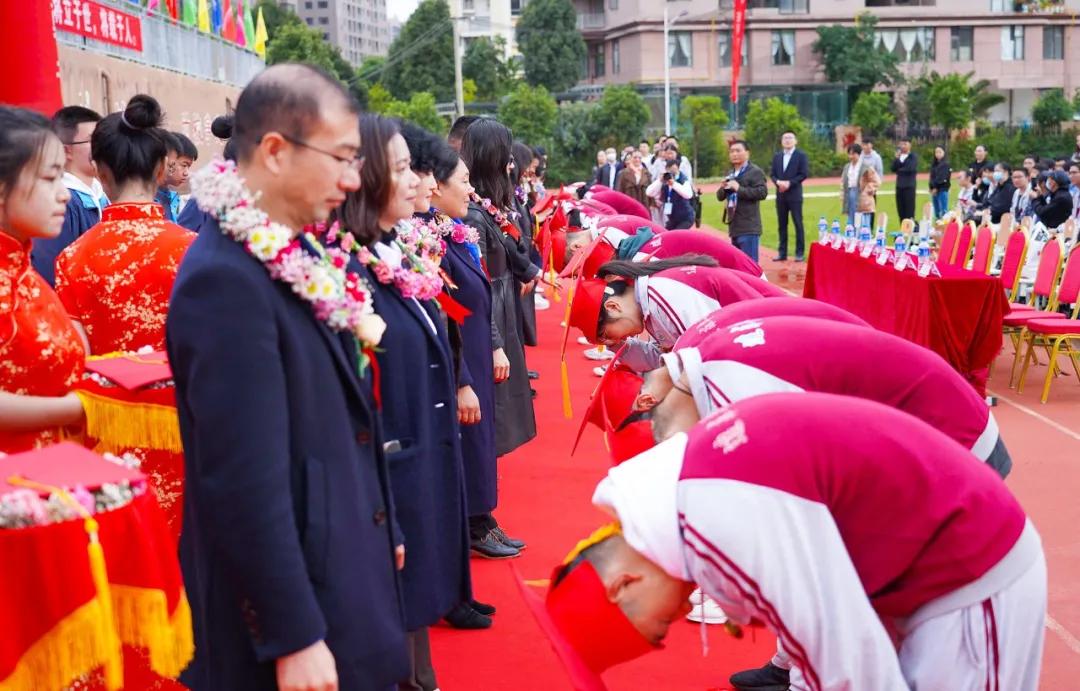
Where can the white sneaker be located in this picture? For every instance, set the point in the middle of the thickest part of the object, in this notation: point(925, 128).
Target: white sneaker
point(707, 610)
point(697, 597)
point(541, 302)
point(599, 354)
point(581, 339)
point(599, 371)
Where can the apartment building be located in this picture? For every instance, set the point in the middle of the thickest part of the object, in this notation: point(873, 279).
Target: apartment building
point(358, 27)
point(1020, 53)
point(491, 18)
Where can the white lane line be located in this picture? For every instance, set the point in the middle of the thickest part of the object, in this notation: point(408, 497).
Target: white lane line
point(1038, 416)
point(1071, 641)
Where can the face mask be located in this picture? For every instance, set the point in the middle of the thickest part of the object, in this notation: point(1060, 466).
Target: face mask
point(998, 176)
point(611, 158)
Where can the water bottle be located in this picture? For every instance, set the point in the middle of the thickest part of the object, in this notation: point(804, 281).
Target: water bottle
point(822, 231)
point(924, 251)
point(879, 241)
point(864, 232)
point(849, 238)
point(834, 234)
point(900, 245)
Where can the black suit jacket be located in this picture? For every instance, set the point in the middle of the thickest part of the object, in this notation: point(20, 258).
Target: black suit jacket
point(906, 171)
point(604, 177)
point(798, 169)
point(287, 535)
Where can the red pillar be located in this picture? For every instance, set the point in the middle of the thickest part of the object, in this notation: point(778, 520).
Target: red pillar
point(28, 54)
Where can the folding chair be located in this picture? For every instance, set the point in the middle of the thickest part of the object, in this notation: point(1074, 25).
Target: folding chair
point(1015, 255)
point(985, 239)
point(1045, 281)
point(963, 245)
point(948, 243)
point(1056, 333)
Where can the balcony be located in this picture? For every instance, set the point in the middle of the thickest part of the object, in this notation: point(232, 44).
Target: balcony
point(175, 47)
point(591, 21)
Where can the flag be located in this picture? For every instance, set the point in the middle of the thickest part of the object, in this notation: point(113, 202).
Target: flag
point(204, 16)
point(215, 17)
point(188, 12)
point(241, 34)
point(173, 6)
point(738, 28)
point(31, 69)
point(249, 26)
point(228, 22)
point(260, 35)
point(151, 5)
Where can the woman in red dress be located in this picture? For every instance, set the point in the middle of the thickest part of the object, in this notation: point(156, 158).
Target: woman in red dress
point(41, 353)
point(115, 280)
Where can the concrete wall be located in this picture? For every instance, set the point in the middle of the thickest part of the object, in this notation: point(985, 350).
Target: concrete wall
point(105, 83)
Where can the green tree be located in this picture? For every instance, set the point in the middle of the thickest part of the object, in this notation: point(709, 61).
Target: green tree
point(485, 63)
point(767, 120)
point(849, 55)
point(918, 96)
point(873, 112)
point(530, 113)
point(420, 109)
point(950, 102)
point(380, 100)
point(620, 116)
point(1051, 109)
point(551, 47)
point(574, 143)
point(704, 118)
point(296, 42)
point(1076, 101)
point(421, 58)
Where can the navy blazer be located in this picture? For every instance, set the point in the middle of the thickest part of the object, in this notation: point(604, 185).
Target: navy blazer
point(79, 217)
point(798, 169)
point(193, 218)
point(603, 174)
point(286, 534)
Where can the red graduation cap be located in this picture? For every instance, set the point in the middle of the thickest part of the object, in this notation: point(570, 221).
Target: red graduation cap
point(616, 382)
point(64, 465)
point(600, 254)
point(549, 199)
point(131, 370)
point(629, 441)
point(585, 307)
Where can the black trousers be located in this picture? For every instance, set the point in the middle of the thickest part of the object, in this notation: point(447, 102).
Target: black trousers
point(905, 203)
point(785, 204)
point(422, 674)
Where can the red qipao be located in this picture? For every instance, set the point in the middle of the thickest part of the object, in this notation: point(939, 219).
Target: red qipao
point(41, 354)
point(116, 279)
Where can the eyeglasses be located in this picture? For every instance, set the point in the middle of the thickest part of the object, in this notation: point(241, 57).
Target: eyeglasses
point(81, 141)
point(355, 162)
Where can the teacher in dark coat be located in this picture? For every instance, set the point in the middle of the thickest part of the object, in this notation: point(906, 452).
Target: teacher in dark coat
point(288, 547)
point(906, 167)
point(523, 219)
point(486, 152)
point(418, 396)
point(790, 166)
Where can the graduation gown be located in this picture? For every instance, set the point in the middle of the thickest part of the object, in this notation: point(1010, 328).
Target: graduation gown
point(418, 395)
point(515, 421)
point(528, 301)
point(475, 369)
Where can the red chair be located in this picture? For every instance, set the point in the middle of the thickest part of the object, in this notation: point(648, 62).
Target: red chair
point(948, 243)
point(963, 245)
point(984, 250)
point(1016, 248)
point(1045, 281)
point(1056, 333)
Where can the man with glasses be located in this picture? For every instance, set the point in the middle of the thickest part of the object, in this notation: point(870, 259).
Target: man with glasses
point(289, 548)
point(73, 125)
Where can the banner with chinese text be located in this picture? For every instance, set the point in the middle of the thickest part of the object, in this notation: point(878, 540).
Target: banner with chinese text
point(97, 21)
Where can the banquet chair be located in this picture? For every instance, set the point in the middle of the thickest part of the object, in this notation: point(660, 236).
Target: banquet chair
point(985, 240)
point(1045, 282)
point(963, 244)
point(1015, 255)
point(948, 243)
point(1055, 333)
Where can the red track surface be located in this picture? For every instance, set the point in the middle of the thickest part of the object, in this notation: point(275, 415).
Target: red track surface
point(545, 499)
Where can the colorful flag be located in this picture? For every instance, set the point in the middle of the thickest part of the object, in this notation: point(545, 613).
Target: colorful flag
point(151, 5)
point(738, 28)
point(241, 36)
point(204, 16)
point(173, 7)
point(215, 17)
point(260, 36)
point(228, 22)
point(189, 12)
point(249, 26)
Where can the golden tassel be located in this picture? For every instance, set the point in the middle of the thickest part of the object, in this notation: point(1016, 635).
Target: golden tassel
point(119, 424)
point(114, 667)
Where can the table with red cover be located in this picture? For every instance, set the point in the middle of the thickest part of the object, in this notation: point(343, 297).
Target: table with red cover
point(957, 315)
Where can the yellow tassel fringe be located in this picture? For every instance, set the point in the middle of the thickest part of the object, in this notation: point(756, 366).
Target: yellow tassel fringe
point(142, 618)
point(118, 424)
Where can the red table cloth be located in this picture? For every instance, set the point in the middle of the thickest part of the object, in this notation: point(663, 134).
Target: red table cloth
point(957, 315)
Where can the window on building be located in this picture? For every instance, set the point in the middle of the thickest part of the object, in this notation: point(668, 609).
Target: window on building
point(468, 6)
point(324, 20)
point(307, 5)
point(785, 6)
point(1053, 43)
point(783, 47)
point(724, 48)
point(322, 4)
point(1012, 43)
point(962, 44)
point(616, 65)
point(516, 6)
point(613, 4)
point(598, 60)
point(680, 49)
point(908, 45)
point(309, 20)
point(325, 36)
point(1002, 5)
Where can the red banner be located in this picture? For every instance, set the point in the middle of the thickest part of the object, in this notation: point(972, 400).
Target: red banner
point(738, 28)
point(99, 22)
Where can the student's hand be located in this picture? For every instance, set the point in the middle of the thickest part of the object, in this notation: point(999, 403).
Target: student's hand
point(732, 186)
point(399, 557)
point(502, 365)
point(310, 669)
point(468, 409)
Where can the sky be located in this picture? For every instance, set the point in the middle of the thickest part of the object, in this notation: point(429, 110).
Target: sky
point(401, 9)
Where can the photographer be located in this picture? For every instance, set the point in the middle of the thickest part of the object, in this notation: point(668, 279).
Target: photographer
point(673, 192)
point(742, 191)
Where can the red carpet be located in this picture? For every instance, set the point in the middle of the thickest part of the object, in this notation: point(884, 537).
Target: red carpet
point(544, 498)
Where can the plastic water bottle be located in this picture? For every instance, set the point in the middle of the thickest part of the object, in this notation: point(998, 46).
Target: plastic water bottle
point(864, 232)
point(822, 231)
point(834, 234)
point(849, 238)
point(879, 241)
point(900, 245)
point(924, 251)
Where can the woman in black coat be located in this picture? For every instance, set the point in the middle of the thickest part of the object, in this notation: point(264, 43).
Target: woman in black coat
point(1056, 210)
point(486, 152)
point(523, 158)
point(940, 182)
point(417, 393)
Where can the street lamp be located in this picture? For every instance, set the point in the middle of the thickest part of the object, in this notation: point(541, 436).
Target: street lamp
point(667, 66)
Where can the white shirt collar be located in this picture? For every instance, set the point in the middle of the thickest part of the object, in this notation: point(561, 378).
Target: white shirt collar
point(95, 190)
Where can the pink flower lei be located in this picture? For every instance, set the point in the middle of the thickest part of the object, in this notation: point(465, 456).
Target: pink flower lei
point(340, 298)
point(421, 278)
point(504, 223)
point(460, 233)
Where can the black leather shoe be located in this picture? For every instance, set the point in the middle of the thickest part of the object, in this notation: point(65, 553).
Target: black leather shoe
point(799, 258)
point(767, 678)
point(482, 608)
point(533, 374)
point(506, 539)
point(490, 547)
point(465, 617)
point(533, 391)
point(780, 258)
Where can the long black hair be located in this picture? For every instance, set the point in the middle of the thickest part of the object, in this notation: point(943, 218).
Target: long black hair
point(132, 144)
point(631, 270)
point(420, 143)
point(444, 161)
point(222, 128)
point(523, 158)
point(360, 211)
point(23, 134)
point(486, 150)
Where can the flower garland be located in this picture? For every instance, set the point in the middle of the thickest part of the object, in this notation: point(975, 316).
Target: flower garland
point(339, 297)
point(504, 223)
point(421, 279)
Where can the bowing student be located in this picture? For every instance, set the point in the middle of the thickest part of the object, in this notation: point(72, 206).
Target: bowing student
point(644, 245)
point(417, 388)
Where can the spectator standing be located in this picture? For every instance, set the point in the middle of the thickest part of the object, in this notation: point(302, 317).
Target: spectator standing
point(644, 149)
point(607, 173)
point(674, 193)
point(73, 125)
point(849, 181)
point(940, 182)
point(905, 165)
point(742, 192)
point(1021, 198)
point(790, 167)
point(672, 148)
point(634, 180)
point(1056, 210)
point(869, 183)
point(871, 157)
point(980, 162)
point(601, 161)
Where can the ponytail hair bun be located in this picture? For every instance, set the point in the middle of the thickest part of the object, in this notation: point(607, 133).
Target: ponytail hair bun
point(222, 127)
point(143, 112)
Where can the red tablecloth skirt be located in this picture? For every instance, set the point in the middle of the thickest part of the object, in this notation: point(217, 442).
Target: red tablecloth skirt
point(957, 315)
